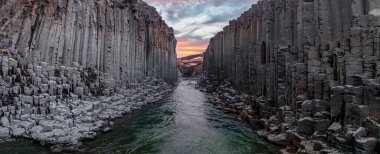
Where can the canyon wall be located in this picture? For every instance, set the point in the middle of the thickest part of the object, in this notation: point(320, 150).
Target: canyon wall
point(126, 39)
point(69, 67)
point(317, 57)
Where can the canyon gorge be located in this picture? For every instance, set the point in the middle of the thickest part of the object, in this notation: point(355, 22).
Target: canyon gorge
point(102, 76)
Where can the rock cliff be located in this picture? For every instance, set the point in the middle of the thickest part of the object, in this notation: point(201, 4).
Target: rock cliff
point(312, 65)
point(124, 38)
point(69, 67)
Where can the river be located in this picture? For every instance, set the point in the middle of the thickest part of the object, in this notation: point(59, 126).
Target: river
point(182, 123)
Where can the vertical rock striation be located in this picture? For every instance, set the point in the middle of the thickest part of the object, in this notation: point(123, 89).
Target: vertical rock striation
point(318, 58)
point(69, 67)
point(124, 38)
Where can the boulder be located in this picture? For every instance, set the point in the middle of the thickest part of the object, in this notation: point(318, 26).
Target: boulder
point(262, 133)
point(26, 99)
point(5, 122)
point(367, 144)
point(279, 139)
point(273, 128)
point(79, 91)
point(305, 125)
point(58, 132)
point(297, 139)
point(321, 124)
point(360, 133)
point(4, 132)
point(106, 130)
point(36, 129)
point(17, 131)
point(307, 106)
point(318, 146)
point(44, 136)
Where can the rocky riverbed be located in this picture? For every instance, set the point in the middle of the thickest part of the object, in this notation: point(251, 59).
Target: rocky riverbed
point(182, 122)
point(300, 134)
point(60, 106)
point(69, 122)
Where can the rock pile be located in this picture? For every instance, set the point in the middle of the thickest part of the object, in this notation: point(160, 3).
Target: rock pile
point(312, 66)
point(60, 106)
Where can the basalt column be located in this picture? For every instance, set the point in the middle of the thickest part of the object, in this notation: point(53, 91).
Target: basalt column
point(318, 57)
point(125, 38)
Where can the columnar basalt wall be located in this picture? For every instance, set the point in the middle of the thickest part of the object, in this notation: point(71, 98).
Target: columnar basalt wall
point(321, 54)
point(125, 38)
point(69, 67)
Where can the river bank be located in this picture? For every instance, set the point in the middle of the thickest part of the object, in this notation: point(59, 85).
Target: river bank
point(69, 122)
point(59, 106)
point(279, 126)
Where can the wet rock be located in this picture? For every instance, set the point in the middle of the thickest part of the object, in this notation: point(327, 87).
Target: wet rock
point(262, 133)
point(106, 130)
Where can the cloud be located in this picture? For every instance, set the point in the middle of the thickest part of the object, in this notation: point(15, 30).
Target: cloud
point(196, 21)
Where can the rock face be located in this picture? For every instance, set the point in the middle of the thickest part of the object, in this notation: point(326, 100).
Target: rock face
point(125, 38)
point(191, 66)
point(320, 58)
point(69, 67)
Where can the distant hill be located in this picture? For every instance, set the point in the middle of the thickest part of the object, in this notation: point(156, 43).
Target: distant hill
point(191, 66)
point(190, 57)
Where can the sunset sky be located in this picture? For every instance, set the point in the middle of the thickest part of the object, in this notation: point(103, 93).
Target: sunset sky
point(196, 21)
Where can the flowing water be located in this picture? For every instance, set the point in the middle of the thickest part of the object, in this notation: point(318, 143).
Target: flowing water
point(182, 123)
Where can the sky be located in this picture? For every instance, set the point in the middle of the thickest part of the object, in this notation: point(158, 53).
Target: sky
point(196, 21)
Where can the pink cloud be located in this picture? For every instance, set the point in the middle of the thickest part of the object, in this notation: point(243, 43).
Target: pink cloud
point(195, 21)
